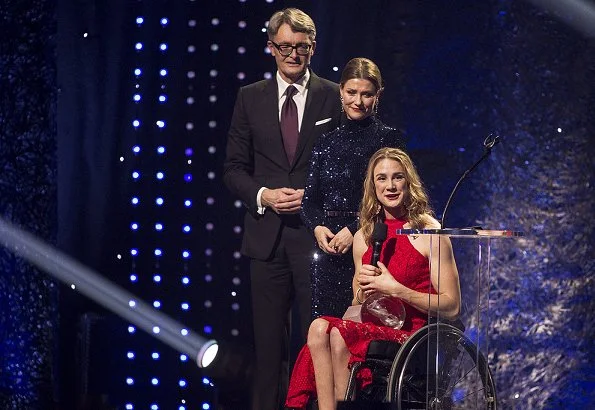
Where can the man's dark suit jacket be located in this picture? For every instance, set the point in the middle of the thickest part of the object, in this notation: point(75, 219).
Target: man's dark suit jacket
point(256, 157)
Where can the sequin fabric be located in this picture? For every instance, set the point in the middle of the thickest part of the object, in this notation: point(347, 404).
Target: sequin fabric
point(337, 172)
point(410, 268)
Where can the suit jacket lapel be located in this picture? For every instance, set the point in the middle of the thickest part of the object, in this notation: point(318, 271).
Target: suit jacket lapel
point(314, 103)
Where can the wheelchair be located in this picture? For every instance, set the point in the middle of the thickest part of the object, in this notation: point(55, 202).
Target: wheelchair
point(438, 367)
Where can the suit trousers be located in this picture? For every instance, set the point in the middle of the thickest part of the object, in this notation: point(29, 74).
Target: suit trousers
point(278, 284)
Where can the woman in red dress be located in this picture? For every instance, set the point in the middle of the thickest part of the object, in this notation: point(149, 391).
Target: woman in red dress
point(393, 194)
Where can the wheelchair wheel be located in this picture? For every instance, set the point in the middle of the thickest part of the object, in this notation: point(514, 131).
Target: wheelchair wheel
point(457, 377)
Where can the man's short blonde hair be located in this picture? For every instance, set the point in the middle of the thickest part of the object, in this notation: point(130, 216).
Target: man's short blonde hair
point(299, 22)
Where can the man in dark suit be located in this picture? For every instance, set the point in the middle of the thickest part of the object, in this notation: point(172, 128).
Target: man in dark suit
point(273, 129)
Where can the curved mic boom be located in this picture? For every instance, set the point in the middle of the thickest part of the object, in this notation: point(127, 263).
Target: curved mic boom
point(489, 143)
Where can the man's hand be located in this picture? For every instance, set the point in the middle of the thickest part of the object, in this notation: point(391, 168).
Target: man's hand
point(282, 200)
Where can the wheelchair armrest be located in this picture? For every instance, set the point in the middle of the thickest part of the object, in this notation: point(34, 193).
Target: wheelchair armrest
point(382, 349)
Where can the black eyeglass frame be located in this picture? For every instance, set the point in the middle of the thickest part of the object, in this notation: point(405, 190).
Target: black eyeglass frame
point(296, 48)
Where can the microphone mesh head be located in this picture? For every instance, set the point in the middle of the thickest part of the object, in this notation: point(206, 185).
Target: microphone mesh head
point(379, 232)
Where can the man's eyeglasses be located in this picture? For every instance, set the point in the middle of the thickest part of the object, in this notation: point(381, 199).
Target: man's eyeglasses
point(285, 49)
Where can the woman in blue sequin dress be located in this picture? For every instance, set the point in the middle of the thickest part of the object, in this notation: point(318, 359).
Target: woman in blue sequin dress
point(334, 185)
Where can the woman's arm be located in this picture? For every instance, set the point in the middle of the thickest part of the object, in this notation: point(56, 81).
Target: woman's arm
point(311, 212)
point(359, 248)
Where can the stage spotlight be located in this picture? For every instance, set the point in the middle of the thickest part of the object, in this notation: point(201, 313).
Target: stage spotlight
point(207, 354)
point(107, 294)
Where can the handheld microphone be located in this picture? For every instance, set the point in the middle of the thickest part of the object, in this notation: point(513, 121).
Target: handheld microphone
point(489, 143)
point(378, 237)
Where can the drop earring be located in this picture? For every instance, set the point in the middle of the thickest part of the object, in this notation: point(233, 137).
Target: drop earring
point(342, 109)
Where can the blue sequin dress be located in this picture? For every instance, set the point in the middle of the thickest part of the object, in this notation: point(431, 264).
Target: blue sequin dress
point(334, 187)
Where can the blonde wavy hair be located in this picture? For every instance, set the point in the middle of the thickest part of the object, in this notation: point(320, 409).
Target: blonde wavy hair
point(416, 202)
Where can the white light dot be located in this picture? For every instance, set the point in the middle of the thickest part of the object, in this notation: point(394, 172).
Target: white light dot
point(235, 306)
point(138, 46)
point(163, 72)
point(129, 381)
point(185, 306)
point(267, 76)
point(183, 357)
point(72, 286)
point(214, 47)
point(164, 21)
point(212, 98)
point(208, 251)
point(189, 126)
point(131, 329)
point(241, 24)
point(190, 100)
point(185, 280)
point(210, 201)
point(234, 332)
point(132, 303)
point(208, 278)
point(213, 73)
point(136, 123)
point(236, 281)
point(191, 23)
point(335, 68)
point(215, 21)
point(212, 124)
point(157, 278)
point(237, 203)
point(191, 49)
point(156, 304)
point(559, 129)
point(137, 71)
point(156, 329)
point(241, 50)
point(237, 255)
point(191, 74)
point(155, 356)
point(237, 229)
point(162, 46)
point(130, 355)
point(211, 175)
point(241, 75)
point(208, 303)
point(209, 226)
point(184, 332)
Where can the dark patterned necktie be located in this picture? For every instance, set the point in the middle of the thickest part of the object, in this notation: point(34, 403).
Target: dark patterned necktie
point(289, 123)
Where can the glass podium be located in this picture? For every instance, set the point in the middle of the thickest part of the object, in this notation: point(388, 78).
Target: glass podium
point(444, 365)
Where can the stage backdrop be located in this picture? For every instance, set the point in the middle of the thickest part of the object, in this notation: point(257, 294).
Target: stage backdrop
point(454, 72)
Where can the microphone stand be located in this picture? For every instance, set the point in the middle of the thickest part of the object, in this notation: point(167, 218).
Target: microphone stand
point(488, 143)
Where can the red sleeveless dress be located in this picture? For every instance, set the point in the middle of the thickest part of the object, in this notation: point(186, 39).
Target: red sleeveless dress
point(407, 266)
